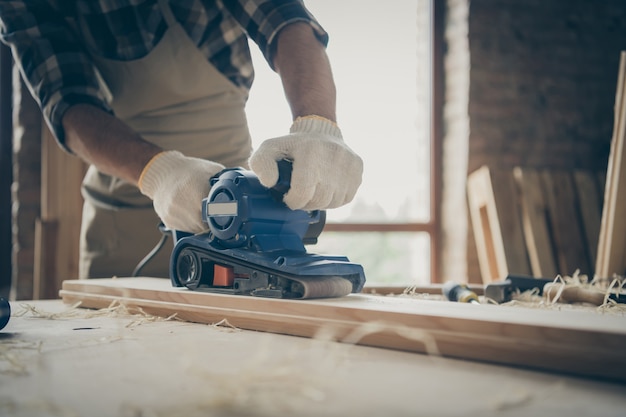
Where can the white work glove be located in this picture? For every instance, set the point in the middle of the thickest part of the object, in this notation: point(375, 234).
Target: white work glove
point(326, 172)
point(177, 184)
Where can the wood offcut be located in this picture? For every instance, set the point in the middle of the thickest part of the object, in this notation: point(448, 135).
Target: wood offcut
point(574, 342)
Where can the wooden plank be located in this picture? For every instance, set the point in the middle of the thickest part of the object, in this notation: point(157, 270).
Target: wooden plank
point(483, 215)
point(46, 237)
point(573, 342)
point(611, 258)
point(539, 243)
point(565, 223)
point(589, 201)
point(496, 221)
point(61, 204)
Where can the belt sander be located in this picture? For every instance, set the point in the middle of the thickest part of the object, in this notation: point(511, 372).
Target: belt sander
point(255, 245)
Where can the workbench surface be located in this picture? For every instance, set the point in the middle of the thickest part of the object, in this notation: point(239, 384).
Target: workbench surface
point(85, 363)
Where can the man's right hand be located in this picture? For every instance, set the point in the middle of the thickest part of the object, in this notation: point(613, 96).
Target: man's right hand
point(177, 184)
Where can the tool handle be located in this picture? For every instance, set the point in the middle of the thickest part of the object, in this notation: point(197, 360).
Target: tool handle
point(458, 292)
point(283, 184)
point(572, 294)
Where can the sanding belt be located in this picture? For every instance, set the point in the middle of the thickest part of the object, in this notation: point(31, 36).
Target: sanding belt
point(323, 287)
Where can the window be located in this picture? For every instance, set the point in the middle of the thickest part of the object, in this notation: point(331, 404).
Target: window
point(380, 55)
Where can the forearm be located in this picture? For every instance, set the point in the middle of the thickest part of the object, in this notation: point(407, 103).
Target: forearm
point(305, 72)
point(106, 142)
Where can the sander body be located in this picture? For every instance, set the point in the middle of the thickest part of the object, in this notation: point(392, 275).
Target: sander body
point(255, 245)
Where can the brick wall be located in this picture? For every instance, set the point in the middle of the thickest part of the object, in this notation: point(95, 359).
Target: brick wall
point(542, 78)
point(542, 81)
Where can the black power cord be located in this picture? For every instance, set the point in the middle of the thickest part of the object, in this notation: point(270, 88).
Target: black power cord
point(153, 252)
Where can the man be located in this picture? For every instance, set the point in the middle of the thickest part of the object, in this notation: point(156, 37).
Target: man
point(152, 94)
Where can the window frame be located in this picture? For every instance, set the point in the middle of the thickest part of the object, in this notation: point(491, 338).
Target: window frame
point(433, 226)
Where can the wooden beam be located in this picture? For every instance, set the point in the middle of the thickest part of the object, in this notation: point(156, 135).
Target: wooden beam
point(535, 223)
point(496, 221)
point(565, 223)
point(611, 257)
point(61, 213)
point(589, 200)
point(580, 343)
point(46, 238)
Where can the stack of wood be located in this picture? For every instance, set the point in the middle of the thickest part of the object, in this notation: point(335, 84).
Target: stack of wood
point(545, 223)
point(535, 222)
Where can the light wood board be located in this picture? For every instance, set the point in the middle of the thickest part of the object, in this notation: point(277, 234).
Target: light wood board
point(574, 342)
point(565, 223)
point(496, 223)
point(535, 223)
point(57, 230)
point(611, 258)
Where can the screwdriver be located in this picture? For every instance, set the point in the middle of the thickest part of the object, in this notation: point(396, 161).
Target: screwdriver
point(454, 291)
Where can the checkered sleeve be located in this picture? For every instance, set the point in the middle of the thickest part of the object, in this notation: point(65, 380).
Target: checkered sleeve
point(263, 19)
point(56, 69)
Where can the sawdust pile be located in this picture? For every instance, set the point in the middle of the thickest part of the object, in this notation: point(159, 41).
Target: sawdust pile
point(15, 353)
point(614, 286)
point(533, 298)
point(115, 310)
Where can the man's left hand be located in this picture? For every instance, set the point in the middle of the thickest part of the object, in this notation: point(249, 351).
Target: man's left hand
point(326, 172)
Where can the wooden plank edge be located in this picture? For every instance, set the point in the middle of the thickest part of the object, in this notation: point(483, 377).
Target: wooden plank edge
point(485, 225)
point(595, 361)
point(609, 257)
point(539, 245)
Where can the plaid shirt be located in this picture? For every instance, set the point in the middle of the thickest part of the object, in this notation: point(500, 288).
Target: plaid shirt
point(59, 72)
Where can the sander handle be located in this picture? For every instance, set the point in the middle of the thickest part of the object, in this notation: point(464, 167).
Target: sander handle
point(285, 167)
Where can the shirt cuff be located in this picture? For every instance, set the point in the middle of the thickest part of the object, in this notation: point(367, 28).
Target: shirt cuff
point(301, 15)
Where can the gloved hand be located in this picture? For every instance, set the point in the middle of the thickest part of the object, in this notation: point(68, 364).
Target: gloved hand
point(177, 184)
point(326, 172)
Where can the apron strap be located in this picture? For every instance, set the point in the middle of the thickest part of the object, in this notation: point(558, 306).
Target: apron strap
point(164, 5)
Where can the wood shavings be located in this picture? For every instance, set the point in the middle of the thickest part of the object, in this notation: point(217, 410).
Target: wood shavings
point(267, 383)
point(115, 310)
point(532, 299)
point(283, 383)
point(12, 352)
point(225, 325)
point(34, 312)
point(523, 397)
point(9, 406)
point(372, 327)
point(514, 400)
point(413, 292)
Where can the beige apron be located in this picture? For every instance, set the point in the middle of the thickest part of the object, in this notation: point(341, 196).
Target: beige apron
point(172, 97)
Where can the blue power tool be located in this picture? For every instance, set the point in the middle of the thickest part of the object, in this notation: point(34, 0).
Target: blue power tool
point(255, 245)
